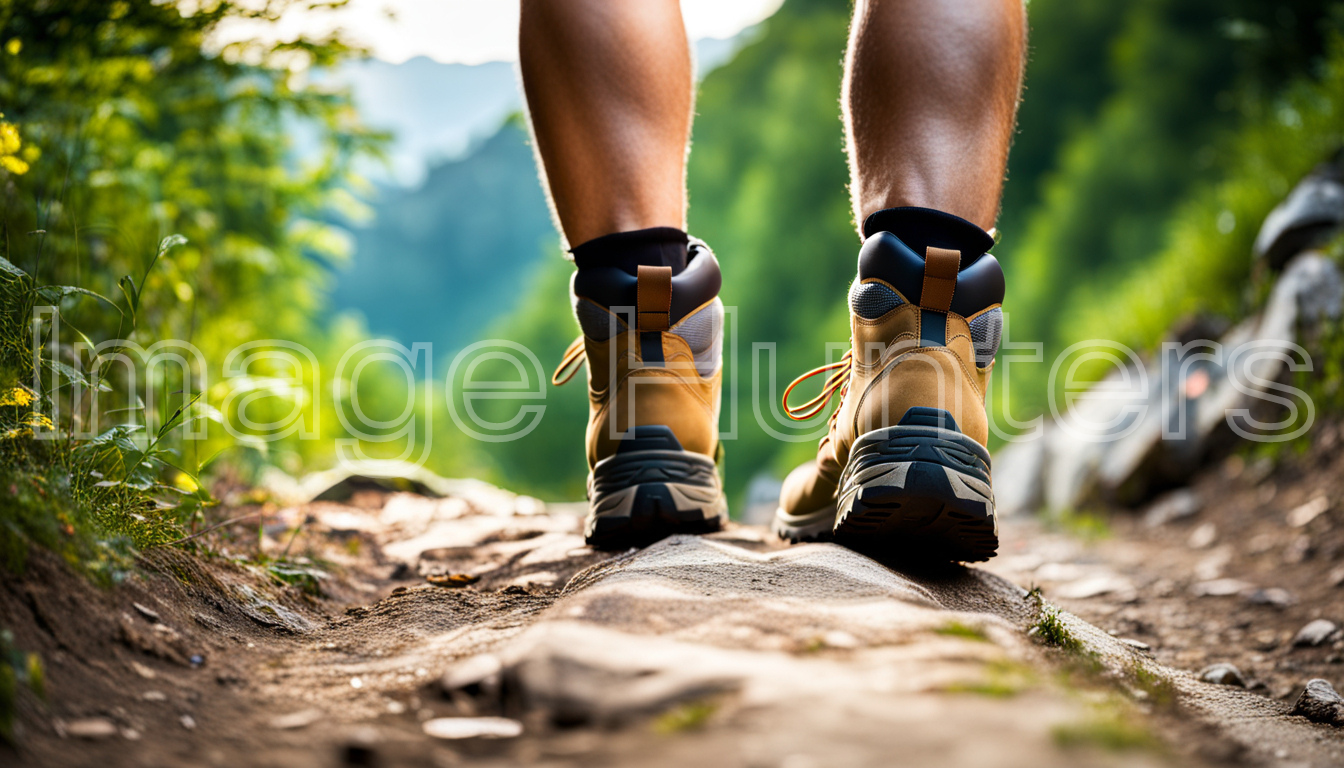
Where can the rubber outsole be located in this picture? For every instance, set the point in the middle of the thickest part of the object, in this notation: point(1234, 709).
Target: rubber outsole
point(917, 490)
point(641, 496)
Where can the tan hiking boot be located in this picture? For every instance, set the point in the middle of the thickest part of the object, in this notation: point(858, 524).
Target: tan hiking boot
point(652, 342)
point(904, 466)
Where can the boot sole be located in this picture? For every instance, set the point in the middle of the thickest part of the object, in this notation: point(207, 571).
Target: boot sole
point(638, 497)
point(919, 490)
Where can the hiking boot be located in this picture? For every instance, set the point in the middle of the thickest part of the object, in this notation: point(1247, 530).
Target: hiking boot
point(652, 341)
point(903, 467)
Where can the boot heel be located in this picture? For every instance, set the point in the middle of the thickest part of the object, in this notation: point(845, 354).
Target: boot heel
point(921, 488)
point(650, 489)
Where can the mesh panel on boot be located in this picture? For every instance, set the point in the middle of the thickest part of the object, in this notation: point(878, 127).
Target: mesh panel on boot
point(985, 333)
point(596, 322)
point(872, 300)
point(703, 332)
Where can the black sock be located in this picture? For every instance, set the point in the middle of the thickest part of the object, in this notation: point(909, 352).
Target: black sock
point(921, 227)
point(653, 247)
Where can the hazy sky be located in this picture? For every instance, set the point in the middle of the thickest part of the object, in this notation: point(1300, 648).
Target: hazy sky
point(472, 31)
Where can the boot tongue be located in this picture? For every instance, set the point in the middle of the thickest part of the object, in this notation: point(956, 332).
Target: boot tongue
point(627, 251)
point(920, 228)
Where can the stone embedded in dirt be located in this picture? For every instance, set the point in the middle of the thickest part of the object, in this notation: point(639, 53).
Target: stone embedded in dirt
point(1303, 514)
point(1273, 596)
point(1315, 633)
point(153, 696)
point(90, 728)
point(296, 720)
point(1336, 577)
point(1320, 703)
point(147, 612)
point(1176, 505)
point(143, 671)
point(187, 722)
point(472, 728)
point(482, 670)
point(1203, 537)
point(1222, 674)
point(1096, 586)
point(1219, 588)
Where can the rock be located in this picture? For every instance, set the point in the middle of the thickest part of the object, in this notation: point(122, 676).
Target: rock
point(1336, 577)
point(147, 612)
point(1176, 505)
point(1274, 596)
point(1219, 587)
point(472, 728)
point(1320, 704)
point(1203, 537)
point(1222, 674)
point(1096, 586)
point(187, 722)
point(1303, 514)
point(296, 720)
point(92, 728)
point(482, 670)
point(1307, 217)
point(1019, 484)
point(143, 671)
point(1315, 633)
point(153, 696)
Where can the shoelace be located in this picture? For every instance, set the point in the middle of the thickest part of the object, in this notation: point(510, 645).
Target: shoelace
point(573, 360)
point(836, 382)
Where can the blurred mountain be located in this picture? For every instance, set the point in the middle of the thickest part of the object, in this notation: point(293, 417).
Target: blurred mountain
point(438, 262)
point(435, 111)
point(460, 219)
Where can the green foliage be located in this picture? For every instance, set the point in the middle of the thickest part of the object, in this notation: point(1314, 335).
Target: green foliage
point(163, 206)
point(1111, 728)
point(1051, 629)
point(957, 629)
point(17, 670)
point(691, 716)
point(1148, 207)
point(1081, 524)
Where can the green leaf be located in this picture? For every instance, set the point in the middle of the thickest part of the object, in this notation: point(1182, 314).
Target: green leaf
point(132, 293)
point(8, 268)
point(73, 375)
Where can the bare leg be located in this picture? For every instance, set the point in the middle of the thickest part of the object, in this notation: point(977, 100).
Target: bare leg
point(930, 98)
point(609, 93)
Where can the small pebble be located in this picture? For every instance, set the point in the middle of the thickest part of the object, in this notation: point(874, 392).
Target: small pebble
point(91, 728)
point(146, 611)
point(1222, 674)
point(1315, 633)
point(1273, 596)
point(188, 722)
point(1320, 703)
point(472, 728)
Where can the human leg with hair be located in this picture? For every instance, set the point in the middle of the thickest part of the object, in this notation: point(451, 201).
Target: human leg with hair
point(609, 93)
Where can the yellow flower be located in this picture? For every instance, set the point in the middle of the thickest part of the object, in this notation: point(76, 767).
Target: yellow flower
point(14, 46)
point(17, 396)
point(9, 139)
point(10, 144)
point(13, 164)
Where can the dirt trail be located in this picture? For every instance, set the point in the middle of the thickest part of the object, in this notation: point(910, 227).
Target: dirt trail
point(722, 650)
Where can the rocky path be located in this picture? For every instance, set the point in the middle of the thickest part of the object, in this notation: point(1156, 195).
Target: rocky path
point(477, 629)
